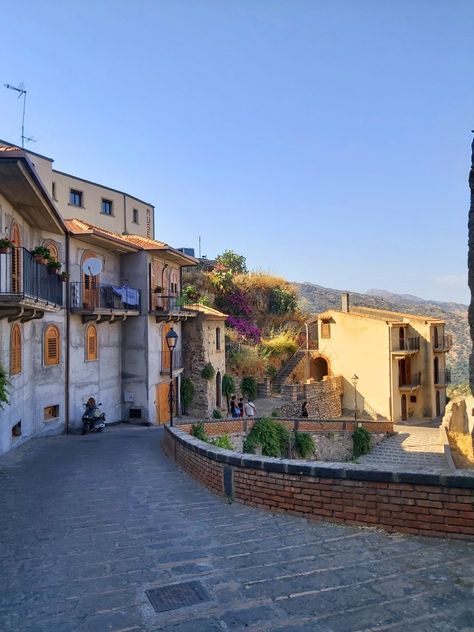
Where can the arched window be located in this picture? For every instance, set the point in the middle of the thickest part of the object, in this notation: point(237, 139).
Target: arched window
point(51, 345)
point(53, 249)
point(91, 346)
point(218, 338)
point(15, 349)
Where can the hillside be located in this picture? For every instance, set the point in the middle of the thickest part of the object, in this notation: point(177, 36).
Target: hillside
point(315, 298)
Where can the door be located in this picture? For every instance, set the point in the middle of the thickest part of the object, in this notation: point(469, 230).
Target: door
point(165, 352)
point(162, 401)
point(90, 287)
point(404, 407)
point(401, 338)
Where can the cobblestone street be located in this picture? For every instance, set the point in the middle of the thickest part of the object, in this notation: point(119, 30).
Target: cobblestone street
point(88, 524)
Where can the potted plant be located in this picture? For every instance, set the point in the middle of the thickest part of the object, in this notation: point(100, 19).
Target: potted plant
point(5, 245)
point(54, 266)
point(64, 276)
point(157, 289)
point(41, 254)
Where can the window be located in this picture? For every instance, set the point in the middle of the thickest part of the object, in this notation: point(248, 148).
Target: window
point(15, 350)
point(91, 343)
point(135, 216)
point(325, 329)
point(16, 430)
point(75, 198)
point(53, 249)
point(107, 207)
point(51, 345)
point(413, 399)
point(218, 338)
point(50, 412)
point(53, 190)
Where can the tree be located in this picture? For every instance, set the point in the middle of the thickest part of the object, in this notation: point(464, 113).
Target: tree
point(232, 261)
point(228, 388)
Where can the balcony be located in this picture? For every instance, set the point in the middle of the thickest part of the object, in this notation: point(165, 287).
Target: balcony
point(177, 361)
point(442, 378)
point(409, 382)
point(443, 344)
point(169, 306)
point(27, 288)
point(406, 346)
point(103, 302)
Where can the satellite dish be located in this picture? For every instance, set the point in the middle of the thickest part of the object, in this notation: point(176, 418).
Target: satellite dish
point(92, 266)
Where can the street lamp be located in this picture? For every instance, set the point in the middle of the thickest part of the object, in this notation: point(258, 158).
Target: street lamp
point(171, 340)
point(354, 380)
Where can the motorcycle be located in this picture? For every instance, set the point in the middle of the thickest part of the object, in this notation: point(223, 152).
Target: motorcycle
point(93, 419)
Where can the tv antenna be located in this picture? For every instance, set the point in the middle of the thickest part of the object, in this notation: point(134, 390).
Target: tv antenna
point(21, 93)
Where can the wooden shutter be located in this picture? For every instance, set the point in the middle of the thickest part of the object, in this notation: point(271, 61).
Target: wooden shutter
point(15, 350)
point(51, 345)
point(91, 343)
point(325, 329)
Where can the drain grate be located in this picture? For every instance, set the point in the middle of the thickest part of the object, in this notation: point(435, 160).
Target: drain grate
point(174, 596)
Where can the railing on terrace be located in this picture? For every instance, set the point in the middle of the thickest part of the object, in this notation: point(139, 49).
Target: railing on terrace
point(91, 296)
point(21, 276)
point(409, 380)
point(442, 377)
point(407, 344)
point(166, 303)
point(444, 343)
point(177, 360)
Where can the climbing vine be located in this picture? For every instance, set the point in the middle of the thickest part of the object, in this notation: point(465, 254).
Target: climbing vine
point(4, 384)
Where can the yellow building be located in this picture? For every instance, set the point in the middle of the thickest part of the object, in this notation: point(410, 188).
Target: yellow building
point(399, 360)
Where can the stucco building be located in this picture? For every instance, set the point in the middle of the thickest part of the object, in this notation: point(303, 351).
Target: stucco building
point(399, 360)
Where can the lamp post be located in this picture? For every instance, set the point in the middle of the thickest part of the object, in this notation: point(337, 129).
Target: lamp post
point(354, 380)
point(171, 340)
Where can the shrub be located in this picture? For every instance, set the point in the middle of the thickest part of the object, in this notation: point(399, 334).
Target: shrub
point(190, 294)
point(282, 300)
point(208, 371)
point(281, 343)
point(245, 361)
point(228, 387)
point(304, 444)
point(187, 393)
point(4, 384)
point(222, 442)
point(245, 328)
point(361, 438)
point(232, 261)
point(249, 387)
point(199, 432)
point(272, 437)
point(216, 414)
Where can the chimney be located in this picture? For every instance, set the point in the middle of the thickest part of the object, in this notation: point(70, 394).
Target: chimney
point(345, 302)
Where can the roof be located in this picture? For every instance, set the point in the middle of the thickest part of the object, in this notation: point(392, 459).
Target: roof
point(207, 311)
point(378, 314)
point(13, 146)
point(131, 242)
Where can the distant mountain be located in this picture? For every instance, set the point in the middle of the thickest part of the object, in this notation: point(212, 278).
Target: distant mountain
point(316, 298)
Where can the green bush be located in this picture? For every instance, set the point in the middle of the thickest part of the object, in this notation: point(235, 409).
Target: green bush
point(208, 371)
point(222, 442)
point(361, 438)
point(187, 393)
point(249, 387)
point(272, 437)
point(4, 384)
point(199, 432)
point(304, 444)
point(216, 414)
point(228, 388)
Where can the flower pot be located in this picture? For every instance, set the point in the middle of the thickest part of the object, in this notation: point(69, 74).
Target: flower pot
point(39, 259)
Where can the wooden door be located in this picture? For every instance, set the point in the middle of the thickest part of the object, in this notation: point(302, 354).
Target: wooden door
point(408, 370)
point(16, 259)
point(401, 338)
point(90, 287)
point(404, 407)
point(162, 401)
point(165, 352)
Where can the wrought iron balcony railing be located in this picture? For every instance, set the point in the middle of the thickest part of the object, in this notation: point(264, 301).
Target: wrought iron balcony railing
point(442, 377)
point(90, 296)
point(166, 303)
point(444, 343)
point(409, 381)
point(407, 344)
point(22, 277)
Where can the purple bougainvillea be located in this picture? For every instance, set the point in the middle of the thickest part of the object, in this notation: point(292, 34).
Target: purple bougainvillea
point(245, 329)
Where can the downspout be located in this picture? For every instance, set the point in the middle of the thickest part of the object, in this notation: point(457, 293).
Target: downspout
point(390, 399)
point(68, 331)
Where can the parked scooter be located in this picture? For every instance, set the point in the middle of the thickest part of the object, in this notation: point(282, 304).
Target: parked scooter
point(93, 419)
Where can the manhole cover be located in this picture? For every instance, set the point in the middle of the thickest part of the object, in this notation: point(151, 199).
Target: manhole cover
point(174, 596)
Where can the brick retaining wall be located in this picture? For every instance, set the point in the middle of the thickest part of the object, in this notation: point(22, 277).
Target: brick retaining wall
point(408, 502)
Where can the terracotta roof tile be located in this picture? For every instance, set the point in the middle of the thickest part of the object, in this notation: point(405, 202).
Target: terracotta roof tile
point(79, 227)
point(205, 309)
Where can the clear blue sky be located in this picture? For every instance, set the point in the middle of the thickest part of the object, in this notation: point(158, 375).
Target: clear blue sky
point(327, 141)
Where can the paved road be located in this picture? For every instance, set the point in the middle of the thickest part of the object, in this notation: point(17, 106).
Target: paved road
point(87, 524)
point(414, 447)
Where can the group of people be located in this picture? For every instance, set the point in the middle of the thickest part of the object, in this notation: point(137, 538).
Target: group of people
point(239, 409)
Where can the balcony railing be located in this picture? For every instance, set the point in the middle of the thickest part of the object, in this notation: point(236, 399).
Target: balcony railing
point(407, 344)
point(22, 277)
point(90, 296)
point(166, 303)
point(177, 360)
point(444, 343)
point(409, 381)
point(442, 377)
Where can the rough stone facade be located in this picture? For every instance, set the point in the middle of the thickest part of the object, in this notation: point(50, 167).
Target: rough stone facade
point(471, 267)
point(324, 399)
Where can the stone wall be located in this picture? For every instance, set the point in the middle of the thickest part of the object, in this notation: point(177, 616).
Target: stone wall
point(408, 502)
point(458, 421)
point(324, 399)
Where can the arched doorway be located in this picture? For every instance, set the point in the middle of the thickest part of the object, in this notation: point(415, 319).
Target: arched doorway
point(90, 284)
point(318, 369)
point(15, 238)
point(436, 370)
point(218, 390)
point(438, 404)
point(404, 407)
point(436, 337)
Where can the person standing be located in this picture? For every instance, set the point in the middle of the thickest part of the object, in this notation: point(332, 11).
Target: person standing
point(234, 409)
point(241, 407)
point(249, 409)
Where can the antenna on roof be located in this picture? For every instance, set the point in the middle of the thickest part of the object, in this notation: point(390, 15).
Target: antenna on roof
point(21, 93)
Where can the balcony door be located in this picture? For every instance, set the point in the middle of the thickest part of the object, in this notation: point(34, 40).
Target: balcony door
point(90, 285)
point(165, 352)
point(16, 259)
point(401, 338)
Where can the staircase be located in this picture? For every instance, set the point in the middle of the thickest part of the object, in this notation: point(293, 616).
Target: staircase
point(287, 369)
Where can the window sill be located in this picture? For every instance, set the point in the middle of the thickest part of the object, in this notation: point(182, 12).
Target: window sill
point(75, 205)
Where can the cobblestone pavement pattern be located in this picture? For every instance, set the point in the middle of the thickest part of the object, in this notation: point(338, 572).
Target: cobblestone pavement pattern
point(89, 523)
point(414, 447)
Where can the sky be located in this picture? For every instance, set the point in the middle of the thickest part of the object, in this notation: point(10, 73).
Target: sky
point(326, 140)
